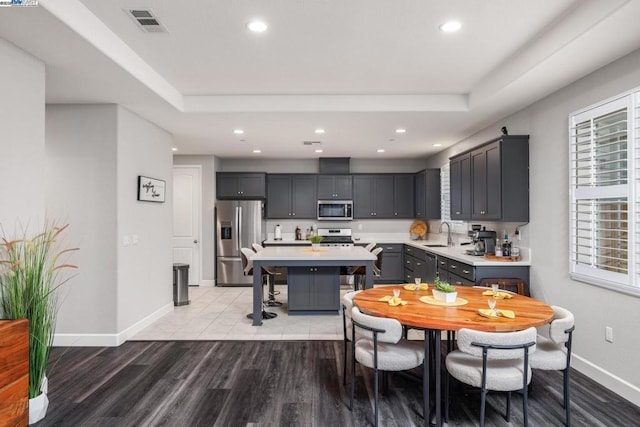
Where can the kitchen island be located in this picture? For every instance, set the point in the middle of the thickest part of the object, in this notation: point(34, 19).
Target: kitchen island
point(317, 274)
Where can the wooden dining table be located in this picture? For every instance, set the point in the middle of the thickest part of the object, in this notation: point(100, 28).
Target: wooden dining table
point(433, 317)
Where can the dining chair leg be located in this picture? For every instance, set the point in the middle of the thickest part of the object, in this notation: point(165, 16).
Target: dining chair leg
point(508, 413)
point(375, 377)
point(353, 371)
point(566, 400)
point(524, 406)
point(483, 399)
point(344, 364)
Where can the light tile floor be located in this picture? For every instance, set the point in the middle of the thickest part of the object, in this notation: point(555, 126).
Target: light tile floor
point(219, 313)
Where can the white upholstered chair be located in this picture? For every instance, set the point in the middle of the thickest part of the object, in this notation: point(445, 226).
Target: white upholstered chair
point(347, 305)
point(497, 361)
point(553, 350)
point(370, 246)
point(377, 343)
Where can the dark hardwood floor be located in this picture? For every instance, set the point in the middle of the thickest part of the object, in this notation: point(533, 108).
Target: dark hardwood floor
point(277, 383)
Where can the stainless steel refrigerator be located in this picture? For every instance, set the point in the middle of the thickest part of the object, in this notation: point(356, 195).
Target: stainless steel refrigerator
point(239, 223)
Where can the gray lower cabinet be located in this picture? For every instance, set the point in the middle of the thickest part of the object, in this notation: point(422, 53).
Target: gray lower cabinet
point(419, 263)
point(461, 274)
point(313, 289)
point(392, 268)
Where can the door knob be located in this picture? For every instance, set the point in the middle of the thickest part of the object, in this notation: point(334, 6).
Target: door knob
point(195, 241)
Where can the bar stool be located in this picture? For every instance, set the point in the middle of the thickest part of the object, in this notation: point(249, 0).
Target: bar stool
point(247, 267)
point(270, 277)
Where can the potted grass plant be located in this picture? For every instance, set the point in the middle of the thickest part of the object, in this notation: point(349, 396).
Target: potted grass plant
point(315, 242)
point(443, 291)
point(29, 278)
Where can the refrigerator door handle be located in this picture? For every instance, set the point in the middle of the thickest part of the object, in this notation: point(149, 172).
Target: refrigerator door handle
point(239, 226)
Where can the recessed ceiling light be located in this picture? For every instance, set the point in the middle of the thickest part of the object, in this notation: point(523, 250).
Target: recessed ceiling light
point(437, 145)
point(319, 131)
point(450, 27)
point(401, 130)
point(257, 151)
point(318, 151)
point(257, 26)
point(238, 131)
point(380, 150)
point(174, 149)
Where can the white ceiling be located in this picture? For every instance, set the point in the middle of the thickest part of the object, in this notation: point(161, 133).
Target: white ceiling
point(358, 69)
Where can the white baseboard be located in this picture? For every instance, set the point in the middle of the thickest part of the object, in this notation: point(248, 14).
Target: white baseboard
point(109, 340)
point(207, 283)
point(606, 379)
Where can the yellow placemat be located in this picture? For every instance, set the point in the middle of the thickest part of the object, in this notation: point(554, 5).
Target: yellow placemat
point(393, 301)
point(498, 295)
point(312, 251)
point(412, 287)
point(491, 314)
point(427, 299)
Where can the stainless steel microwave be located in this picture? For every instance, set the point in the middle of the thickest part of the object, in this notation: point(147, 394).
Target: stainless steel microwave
point(335, 210)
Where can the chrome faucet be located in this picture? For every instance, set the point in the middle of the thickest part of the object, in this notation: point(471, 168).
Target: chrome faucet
point(449, 240)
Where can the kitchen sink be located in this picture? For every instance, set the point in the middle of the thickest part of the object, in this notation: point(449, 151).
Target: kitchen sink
point(435, 246)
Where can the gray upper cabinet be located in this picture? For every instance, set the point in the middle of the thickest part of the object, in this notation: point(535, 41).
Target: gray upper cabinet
point(338, 187)
point(291, 196)
point(240, 185)
point(460, 186)
point(427, 194)
point(491, 182)
point(383, 196)
point(403, 196)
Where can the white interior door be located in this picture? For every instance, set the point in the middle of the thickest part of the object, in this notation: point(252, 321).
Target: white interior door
point(187, 220)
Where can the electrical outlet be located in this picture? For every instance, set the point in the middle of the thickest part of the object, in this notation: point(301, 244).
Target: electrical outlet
point(608, 334)
point(360, 227)
point(134, 239)
point(126, 240)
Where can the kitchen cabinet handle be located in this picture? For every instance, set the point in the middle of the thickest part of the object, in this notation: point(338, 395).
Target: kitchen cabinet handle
point(453, 267)
point(466, 271)
point(457, 212)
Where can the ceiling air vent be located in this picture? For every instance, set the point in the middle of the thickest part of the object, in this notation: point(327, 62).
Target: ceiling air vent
point(146, 21)
point(311, 143)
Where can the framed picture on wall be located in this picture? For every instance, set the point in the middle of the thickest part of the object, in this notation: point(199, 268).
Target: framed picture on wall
point(151, 189)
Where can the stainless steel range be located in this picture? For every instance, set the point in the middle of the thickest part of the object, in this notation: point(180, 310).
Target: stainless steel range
point(335, 236)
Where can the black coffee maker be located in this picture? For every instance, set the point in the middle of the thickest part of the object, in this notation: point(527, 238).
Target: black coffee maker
point(484, 242)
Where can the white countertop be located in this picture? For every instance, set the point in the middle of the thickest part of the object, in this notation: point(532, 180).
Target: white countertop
point(330, 253)
point(457, 253)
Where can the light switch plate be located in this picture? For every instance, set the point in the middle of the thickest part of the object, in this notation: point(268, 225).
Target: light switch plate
point(126, 240)
point(608, 334)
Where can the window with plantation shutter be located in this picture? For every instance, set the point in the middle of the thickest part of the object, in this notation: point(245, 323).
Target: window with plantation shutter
point(604, 164)
point(445, 194)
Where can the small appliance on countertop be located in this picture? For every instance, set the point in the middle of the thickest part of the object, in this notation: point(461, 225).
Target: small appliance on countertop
point(484, 242)
point(277, 235)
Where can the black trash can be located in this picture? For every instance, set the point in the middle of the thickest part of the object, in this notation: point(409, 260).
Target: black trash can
point(181, 284)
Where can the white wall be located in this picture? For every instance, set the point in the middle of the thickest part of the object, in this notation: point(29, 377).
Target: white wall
point(145, 269)
point(22, 174)
point(81, 191)
point(613, 364)
point(94, 156)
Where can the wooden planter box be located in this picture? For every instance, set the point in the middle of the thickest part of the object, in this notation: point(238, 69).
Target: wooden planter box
point(14, 375)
